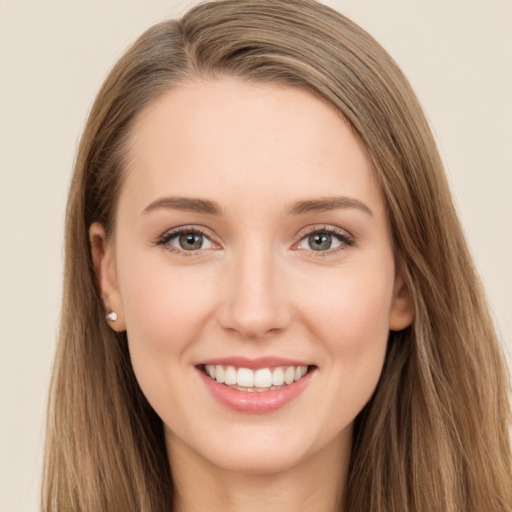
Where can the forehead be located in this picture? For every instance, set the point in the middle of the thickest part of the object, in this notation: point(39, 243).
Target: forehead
point(212, 137)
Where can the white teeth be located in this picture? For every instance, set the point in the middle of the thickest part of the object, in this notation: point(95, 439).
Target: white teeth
point(289, 374)
point(263, 379)
point(219, 374)
point(278, 377)
point(230, 375)
point(210, 370)
point(245, 377)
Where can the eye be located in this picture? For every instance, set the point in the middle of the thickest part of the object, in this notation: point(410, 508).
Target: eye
point(190, 241)
point(186, 240)
point(324, 240)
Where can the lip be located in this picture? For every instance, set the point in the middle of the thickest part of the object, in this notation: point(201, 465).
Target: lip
point(257, 402)
point(254, 364)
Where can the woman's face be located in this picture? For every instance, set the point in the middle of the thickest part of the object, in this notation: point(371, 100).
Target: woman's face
point(251, 243)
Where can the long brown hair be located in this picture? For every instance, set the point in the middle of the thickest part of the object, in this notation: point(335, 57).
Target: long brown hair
point(435, 435)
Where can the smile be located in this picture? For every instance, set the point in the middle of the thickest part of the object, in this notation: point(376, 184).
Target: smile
point(255, 386)
point(258, 380)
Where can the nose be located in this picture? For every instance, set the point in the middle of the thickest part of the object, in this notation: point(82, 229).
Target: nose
point(255, 304)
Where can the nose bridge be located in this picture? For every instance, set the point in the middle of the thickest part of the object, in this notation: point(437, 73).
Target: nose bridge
point(255, 304)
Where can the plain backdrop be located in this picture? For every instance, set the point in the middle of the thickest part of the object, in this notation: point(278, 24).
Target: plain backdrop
point(53, 58)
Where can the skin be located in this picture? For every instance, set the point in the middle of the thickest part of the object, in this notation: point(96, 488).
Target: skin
point(255, 288)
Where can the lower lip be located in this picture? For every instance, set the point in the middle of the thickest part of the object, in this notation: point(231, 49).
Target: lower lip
point(255, 401)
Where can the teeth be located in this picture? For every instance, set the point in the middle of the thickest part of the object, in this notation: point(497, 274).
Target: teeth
point(230, 375)
point(262, 379)
point(219, 373)
point(278, 377)
point(289, 374)
point(245, 378)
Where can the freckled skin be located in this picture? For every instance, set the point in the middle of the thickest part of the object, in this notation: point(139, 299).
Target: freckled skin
point(256, 287)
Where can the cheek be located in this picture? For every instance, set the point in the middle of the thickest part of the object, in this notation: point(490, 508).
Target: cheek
point(165, 310)
point(350, 323)
point(165, 314)
point(162, 304)
point(352, 308)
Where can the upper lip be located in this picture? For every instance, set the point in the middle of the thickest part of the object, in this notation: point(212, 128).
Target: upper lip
point(253, 364)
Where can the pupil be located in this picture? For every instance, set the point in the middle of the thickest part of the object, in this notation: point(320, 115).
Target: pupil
point(191, 241)
point(320, 242)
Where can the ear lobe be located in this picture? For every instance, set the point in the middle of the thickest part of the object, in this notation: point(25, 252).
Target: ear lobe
point(104, 267)
point(402, 308)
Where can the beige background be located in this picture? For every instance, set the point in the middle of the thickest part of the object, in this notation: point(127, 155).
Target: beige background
point(53, 58)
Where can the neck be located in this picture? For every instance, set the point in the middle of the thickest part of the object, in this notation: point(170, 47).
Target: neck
point(314, 484)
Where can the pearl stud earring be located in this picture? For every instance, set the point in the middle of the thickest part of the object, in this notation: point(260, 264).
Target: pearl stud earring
point(111, 316)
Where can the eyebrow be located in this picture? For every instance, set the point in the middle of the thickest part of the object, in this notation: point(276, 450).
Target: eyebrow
point(324, 204)
point(208, 207)
point(186, 204)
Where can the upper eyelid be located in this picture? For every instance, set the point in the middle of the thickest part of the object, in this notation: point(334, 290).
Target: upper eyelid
point(193, 228)
point(323, 227)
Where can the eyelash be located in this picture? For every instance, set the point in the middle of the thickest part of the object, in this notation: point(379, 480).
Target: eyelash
point(345, 240)
point(169, 235)
point(342, 236)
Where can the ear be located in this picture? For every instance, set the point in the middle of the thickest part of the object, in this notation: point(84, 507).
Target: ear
point(401, 314)
point(103, 259)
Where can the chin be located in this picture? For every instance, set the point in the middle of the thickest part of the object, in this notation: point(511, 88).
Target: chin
point(258, 460)
point(267, 449)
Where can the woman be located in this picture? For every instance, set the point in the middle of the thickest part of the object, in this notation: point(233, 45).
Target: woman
point(269, 301)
